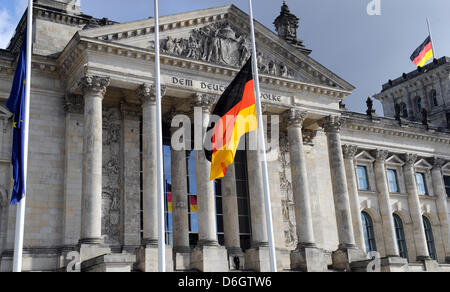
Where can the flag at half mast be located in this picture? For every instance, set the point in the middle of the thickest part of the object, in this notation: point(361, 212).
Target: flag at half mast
point(423, 53)
point(237, 111)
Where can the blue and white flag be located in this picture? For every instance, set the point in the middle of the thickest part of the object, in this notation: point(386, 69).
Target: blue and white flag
point(16, 104)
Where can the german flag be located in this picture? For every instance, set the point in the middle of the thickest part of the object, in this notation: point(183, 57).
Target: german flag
point(237, 111)
point(423, 53)
point(193, 203)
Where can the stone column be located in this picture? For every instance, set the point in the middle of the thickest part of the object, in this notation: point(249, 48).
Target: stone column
point(347, 251)
point(353, 191)
point(387, 218)
point(231, 216)
point(306, 257)
point(94, 90)
point(208, 256)
point(415, 208)
point(180, 219)
point(257, 257)
point(148, 252)
point(442, 205)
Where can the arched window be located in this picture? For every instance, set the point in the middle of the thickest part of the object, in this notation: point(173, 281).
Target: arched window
point(430, 238)
point(434, 98)
point(400, 234)
point(419, 105)
point(369, 233)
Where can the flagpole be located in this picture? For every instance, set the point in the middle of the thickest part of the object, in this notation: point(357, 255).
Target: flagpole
point(20, 216)
point(160, 178)
point(262, 143)
point(431, 37)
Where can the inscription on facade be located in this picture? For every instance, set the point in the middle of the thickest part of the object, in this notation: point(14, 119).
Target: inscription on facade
point(218, 88)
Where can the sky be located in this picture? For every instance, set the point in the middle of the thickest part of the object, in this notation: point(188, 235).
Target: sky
point(365, 50)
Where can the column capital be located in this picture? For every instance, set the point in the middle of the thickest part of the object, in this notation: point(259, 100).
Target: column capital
point(381, 155)
point(349, 151)
point(295, 117)
point(331, 124)
point(73, 104)
point(94, 84)
point(410, 159)
point(438, 162)
point(205, 101)
point(147, 92)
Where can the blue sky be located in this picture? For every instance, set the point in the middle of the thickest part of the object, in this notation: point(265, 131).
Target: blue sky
point(364, 50)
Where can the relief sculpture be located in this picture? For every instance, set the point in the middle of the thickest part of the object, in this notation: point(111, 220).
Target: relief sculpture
point(111, 194)
point(219, 43)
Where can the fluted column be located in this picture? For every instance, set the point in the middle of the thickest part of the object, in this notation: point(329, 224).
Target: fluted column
point(332, 126)
point(300, 185)
point(207, 228)
point(442, 207)
point(230, 212)
point(387, 218)
point(349, 152)
point(415, 207)
point(146, 93)
point(94, 90)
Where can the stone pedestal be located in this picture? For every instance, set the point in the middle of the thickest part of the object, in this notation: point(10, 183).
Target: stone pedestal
point(431, 265)
point(209, 259)
point(90, 251)
point(394, 264)
point(181, 261)
point(258, 259)
point(344, 257)
point(115, 263)
point(308, 259)
point(147, 259)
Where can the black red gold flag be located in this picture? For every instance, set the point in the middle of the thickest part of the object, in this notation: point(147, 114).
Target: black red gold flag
point(423, 53)
point(237, 111)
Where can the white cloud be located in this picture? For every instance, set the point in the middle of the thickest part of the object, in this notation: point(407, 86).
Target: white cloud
point(7, 28)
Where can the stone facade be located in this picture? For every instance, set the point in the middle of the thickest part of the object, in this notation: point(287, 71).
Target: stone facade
point(92, 187)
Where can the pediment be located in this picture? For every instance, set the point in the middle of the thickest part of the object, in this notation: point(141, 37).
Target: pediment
point(422, 163)
point(4, 113)
point(364, 156)
point(220, 36)
point(395, 160)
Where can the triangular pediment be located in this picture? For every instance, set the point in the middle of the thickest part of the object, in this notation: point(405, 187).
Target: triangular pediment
point(4, 113)
point(395, 160)
point(220, 36)
point(422, 163)
point(364, 156)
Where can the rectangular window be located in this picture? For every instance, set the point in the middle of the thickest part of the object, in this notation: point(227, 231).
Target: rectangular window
point(421, 186)
point(392, 178)
point(447, 185)
point(362, 178)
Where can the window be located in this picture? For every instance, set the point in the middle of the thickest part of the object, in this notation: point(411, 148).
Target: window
point(392, 179)
point(429, 237)
point(447, 185)
point(400, 234)
point(245, 229)
point(404, 110)
point(419, 105)
point(362, 178)
point(369, 233)
point(421, 186)
point(434, 98)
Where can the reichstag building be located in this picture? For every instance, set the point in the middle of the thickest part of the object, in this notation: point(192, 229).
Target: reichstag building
point(343, 185)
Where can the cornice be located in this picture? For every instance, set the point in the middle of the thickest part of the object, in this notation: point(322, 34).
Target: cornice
point(79, 45)
point(383, 128)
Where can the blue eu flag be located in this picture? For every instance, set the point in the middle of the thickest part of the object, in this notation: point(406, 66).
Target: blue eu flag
point(16, 104)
